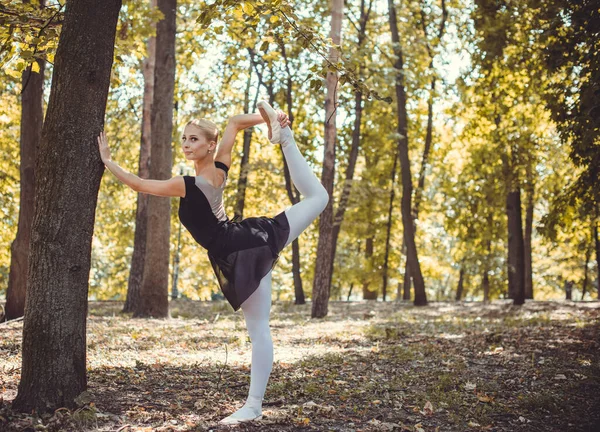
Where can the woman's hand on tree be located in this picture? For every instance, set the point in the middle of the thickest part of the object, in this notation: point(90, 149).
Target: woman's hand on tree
point(103, 147)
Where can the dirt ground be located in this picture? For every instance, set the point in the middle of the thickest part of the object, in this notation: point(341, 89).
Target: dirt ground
point(368, 366)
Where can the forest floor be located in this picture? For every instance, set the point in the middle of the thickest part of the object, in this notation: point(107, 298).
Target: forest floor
point(365, 367)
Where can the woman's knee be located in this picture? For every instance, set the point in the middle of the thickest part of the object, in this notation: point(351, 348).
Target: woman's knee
point(321, 199)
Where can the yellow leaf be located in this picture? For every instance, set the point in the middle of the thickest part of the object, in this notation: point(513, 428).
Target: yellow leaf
point(273, 19)
point(35, 67)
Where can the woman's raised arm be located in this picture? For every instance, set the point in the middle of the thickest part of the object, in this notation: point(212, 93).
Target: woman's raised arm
point(172, 187)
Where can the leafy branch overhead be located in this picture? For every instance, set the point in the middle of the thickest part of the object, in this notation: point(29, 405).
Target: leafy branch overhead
point(28, 33)
point(279, 23)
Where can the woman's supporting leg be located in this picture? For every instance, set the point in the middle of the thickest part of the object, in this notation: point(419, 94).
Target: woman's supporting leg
point(303, 213)
point(256, 313)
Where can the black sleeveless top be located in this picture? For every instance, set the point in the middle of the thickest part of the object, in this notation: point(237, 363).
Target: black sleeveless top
point(195, 212)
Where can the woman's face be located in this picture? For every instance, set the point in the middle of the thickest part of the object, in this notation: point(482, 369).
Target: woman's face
point(194, 144)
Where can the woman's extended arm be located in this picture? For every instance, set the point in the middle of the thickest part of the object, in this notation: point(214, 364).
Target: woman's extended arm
point(172, 187)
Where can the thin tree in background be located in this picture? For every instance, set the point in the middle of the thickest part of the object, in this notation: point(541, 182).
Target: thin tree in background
point(406, 200)
point(322, 280)
point(138, 258)
point(53, 369)
point(32, 105)
point(154, 291)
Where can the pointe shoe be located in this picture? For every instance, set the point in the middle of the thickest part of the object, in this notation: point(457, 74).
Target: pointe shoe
point(270, 116)
point(230, 421)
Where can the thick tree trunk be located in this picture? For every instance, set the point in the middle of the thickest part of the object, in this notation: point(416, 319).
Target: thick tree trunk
point(322, 279)
point(32, 101)
point(138, 258)
point(528, 231)
point(516, 263)
point(154, 291)
point(406, 207)
point(459, 288)
point(389, 226)
point(53, 369)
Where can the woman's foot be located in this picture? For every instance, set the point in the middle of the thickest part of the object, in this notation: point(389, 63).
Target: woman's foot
point(250, 411)
point(270, 117)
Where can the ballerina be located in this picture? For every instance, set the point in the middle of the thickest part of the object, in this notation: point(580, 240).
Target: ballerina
point(242, 253)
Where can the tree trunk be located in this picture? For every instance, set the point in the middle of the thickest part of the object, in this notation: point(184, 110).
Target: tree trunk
point(588, 255)
point(389, 226)
point(354, 148)
point(293, 195)
point(367, 294)
point(32, 104)
point(322, 279)
point(568, 290)
point(154, 291)
point(429, 132)
point(528, 231)
point(516, 263)
point(406, 207)
point(138, 258)
point(597, 241)
point(459, 288)
point(485, 283)
point(53, 369)
point(240, 201)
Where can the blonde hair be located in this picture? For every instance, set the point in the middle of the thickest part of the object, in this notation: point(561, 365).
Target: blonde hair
point(207, 128)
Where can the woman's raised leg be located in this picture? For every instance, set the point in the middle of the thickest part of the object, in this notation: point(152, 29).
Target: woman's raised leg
point(303, 213)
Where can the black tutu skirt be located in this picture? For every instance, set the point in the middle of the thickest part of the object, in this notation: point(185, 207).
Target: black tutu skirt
point(244, 251)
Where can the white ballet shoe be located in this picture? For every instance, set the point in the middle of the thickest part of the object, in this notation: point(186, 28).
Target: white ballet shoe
point(233, 419)
point(270, 117)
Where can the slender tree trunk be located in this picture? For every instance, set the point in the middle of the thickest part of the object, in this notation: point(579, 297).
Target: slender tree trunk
point(293, 194)
point(322, 279)
point(588, 255)
point(53, 369)
point(368, 294)
point(138, 258)
point(460, 287)
point(406, 207)
point(389, 226)
point(568, 290)
point(32, 101)
point(354, 148)
point(597, 241)
point(528, 231)
point(516, 262)
point(429, 133)
point(154, 291)
point(244, 166)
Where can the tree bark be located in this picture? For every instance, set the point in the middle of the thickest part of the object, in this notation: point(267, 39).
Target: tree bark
point(32, 105)
point(516, 263)
point(138, 258)
point(53, 369)
point(406, 207)
point(240, 201)
point(528, 287)
point(485, 282)
point(293, 194)
point(389, 227)
point(588, 255)
point(597, 241)
point(368, 294)
point(154, 291)
point(429, 131)
point(322, 279)
point(459, 288)
point(355, 146)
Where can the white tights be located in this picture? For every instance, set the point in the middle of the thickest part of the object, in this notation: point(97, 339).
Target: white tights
point(257, 307)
